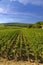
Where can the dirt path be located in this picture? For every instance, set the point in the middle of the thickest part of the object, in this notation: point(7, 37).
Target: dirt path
point(6, 62)
point(17, 63)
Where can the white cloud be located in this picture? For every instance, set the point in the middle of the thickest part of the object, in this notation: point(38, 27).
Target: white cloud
point(23, 1)
point(36, 2)
point(4, 9)
point(12, 0)
point(1, 10)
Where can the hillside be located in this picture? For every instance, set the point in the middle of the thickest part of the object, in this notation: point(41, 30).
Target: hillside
point(35, 25)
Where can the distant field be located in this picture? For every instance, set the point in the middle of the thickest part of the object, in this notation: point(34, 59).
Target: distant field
point(21, 44)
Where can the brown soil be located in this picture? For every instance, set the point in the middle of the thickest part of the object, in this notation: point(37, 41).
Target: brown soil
point(5, 62)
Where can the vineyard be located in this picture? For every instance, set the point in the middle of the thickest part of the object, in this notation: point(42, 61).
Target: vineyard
point(22, 44)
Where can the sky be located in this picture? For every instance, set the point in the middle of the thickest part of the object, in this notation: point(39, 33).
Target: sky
point(23, 11)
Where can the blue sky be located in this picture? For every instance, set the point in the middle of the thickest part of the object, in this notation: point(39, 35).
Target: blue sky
point(23, 11)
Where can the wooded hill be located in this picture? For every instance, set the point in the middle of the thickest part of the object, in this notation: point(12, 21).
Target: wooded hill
point(35, 25)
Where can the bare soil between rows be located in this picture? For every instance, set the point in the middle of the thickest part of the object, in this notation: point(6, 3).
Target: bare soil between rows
point(6, 62)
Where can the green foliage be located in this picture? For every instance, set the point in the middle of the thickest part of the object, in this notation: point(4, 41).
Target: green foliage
point(21, 25)
point(20, 43)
